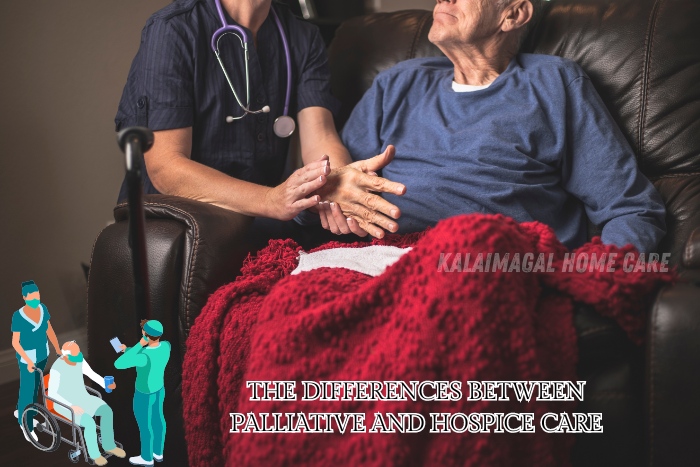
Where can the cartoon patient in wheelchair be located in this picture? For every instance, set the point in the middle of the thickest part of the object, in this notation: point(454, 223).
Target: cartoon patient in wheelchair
point(69, 401)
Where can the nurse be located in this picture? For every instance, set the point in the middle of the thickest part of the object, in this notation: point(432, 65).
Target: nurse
point(31, 331)
point(150, 357)
point(219, 147)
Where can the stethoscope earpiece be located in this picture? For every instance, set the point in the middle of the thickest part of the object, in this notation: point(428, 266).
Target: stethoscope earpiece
point(284, 125)
point(264, 110)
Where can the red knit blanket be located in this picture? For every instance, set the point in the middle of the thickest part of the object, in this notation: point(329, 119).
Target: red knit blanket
point(419, 321)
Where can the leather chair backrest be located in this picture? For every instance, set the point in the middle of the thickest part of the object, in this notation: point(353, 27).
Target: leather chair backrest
point(643, 56)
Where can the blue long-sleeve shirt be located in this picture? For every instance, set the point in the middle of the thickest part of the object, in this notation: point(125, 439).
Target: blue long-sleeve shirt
point(537, 144)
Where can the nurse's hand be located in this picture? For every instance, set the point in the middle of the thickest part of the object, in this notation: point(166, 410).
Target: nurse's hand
point(30, 366)
point(354, 188)
point(287, 200)
point(77, 410)
point(112, 386)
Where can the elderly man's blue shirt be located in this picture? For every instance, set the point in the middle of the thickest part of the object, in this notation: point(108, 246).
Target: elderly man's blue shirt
point(175, 81)
point(537, 144)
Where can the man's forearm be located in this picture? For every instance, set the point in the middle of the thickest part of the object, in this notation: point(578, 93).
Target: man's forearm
point(90, 373)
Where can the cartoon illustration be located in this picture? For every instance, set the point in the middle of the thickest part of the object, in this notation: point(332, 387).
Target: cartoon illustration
point(72, 401)
point(149, 357)
point(48, 435)
point(31, 331)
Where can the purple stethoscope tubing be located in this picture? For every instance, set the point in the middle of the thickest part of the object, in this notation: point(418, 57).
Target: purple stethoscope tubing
point(237, 30)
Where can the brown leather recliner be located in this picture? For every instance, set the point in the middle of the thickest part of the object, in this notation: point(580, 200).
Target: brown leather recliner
point(644, 58)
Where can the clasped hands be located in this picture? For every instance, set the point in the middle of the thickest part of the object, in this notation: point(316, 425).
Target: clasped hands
point(346, 198)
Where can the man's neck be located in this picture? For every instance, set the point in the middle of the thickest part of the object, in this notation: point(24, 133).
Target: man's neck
point(478, 65)
point(250, 14)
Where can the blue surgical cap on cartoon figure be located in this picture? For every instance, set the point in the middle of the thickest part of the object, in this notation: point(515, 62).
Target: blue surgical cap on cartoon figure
point(29, 287)
point(153, 328)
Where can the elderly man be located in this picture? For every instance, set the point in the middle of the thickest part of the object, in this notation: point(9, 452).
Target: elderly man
point(66, 386)
point(488, 130)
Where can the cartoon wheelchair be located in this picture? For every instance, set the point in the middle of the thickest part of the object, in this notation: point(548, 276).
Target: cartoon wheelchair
point(48, 430)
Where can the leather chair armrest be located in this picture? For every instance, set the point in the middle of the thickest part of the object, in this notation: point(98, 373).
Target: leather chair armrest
point(192, 248)
point(672, 376)
point(691, 253)
point(213, 250)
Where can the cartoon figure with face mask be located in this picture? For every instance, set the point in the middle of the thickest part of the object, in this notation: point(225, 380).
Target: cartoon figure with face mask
point(31, 331)
point(66, 385)
point(149, 357)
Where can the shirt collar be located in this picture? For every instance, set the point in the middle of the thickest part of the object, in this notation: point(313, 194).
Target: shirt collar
point(36, 325)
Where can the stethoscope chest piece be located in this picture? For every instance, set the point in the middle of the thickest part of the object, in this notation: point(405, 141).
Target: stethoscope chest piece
point(284, 126)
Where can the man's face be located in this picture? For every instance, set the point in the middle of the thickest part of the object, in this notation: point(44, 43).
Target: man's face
point(33, 296)
point(464, 22)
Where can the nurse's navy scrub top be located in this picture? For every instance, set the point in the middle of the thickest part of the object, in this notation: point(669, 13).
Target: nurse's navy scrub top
point(175, 81)
point(32, 336)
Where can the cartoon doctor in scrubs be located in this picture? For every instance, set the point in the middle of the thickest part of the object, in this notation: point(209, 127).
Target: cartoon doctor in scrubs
point(149, 357)
point(31, 331)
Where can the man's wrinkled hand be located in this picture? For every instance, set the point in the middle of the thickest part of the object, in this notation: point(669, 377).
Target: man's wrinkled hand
point(333, 219)
point(354, 188)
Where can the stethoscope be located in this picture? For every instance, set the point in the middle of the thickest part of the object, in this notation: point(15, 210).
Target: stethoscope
point(284, 125)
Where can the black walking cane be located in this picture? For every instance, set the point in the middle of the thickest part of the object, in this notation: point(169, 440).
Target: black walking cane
point(134, 141)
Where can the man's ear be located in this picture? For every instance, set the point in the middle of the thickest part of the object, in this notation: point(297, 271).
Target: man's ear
point(516, 15)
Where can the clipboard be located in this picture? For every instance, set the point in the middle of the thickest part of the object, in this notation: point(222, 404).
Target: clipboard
point(116, 344)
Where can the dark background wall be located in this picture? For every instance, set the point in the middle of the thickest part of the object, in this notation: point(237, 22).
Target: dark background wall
point(63, 69)
point(64, 65)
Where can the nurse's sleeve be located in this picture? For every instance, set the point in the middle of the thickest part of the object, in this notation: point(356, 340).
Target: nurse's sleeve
point(90, 373)
point(159, 89)
point(361, 133)
point(17, 322)
point(601, 170)
point(314, 85)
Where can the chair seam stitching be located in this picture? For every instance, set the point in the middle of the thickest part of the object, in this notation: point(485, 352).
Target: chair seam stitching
point(646, 72)
point(414, 42)
point(193, 256)
point(689, 174)
point(652, 365)
point(87, 289)
point(689, 252)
